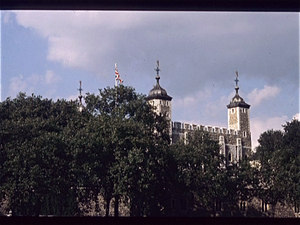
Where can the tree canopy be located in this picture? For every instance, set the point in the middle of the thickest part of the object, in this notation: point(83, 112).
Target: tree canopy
point(55, 159)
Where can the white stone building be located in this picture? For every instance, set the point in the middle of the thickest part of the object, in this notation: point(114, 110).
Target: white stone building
point(235, 140)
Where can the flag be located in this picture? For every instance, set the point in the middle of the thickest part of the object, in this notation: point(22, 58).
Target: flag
point(117, 76)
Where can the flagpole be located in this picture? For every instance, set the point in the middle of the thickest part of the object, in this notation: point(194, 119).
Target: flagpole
point(116, 80)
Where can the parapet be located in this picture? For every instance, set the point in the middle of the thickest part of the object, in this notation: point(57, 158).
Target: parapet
point(182, 127)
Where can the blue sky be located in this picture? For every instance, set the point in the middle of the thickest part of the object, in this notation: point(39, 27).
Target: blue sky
point(48, 52)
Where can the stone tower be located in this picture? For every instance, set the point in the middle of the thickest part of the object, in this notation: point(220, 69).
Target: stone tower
point(239, 113)
point(159, 98)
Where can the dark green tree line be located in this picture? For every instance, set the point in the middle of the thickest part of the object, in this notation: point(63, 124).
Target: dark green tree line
point(278, 155)
point(54, 158)
point(36, 167)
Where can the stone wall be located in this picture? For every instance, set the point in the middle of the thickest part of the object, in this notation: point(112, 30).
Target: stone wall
point(244, 119)
point(231, 149)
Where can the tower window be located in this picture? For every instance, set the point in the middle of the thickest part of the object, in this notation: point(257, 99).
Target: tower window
point(221, 140)
point(245, 134)
point(232, 110)
point(238, 141)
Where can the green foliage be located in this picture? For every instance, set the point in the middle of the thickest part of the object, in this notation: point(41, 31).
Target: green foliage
point(36, 165)
point(279, 156)
point(200, 167)
point(135, 140)
point(53, 157)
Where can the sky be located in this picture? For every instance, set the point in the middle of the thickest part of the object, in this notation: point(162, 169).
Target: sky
point(48, 52)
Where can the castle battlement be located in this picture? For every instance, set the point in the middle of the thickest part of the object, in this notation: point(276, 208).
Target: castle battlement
point(181, 127)
point(234, 141)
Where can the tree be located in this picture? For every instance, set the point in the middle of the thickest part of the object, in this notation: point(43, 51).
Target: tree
point(200, 168)
point(279, 157)
point(135, 140)
point(287, 162)
point(36, 170)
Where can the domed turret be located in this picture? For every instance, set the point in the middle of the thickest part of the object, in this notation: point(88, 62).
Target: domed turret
point(237, 101)
point(159, 98)
point(238, 112)
point(158, 92)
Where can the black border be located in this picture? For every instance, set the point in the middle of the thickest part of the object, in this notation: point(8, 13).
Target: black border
point(153, 5)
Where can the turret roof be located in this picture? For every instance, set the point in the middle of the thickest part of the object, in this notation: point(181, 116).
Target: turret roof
point(237, 100)
point(157, 92)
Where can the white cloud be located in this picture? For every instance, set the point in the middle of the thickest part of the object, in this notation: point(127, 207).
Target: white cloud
point(192, 101)
point(21, 84)
point(33, 83)
point(81, 39)
point(6, 17)
point(51, 77)
point(297, 116)
point(258, 96)
point(260, 125)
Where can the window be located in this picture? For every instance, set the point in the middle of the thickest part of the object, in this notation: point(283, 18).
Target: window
point(221, 139)
point(220, 131)
point(243, 206)
point(229, 157)
point(213, 130)
point(218, 205)
point(244, 134)
point(232, 110)
point(238, 141)
point(264, 206)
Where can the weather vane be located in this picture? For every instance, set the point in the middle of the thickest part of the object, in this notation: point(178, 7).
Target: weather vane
point(157, 68)
point(236, 79)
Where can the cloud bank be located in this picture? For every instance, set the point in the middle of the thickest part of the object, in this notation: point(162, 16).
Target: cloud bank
point(197, 46)
point(256, 97)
